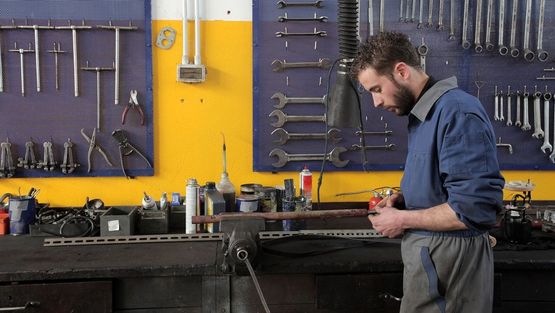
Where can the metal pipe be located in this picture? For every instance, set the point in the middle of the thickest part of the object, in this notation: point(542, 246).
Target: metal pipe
point(282, 215)
point(185, 55)
point(197, 34)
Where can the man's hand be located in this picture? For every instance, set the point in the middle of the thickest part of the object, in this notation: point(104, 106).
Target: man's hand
point(388, 221)
point(396, 200)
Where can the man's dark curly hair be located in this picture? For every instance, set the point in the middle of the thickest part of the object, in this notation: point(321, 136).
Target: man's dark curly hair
point(383, 51)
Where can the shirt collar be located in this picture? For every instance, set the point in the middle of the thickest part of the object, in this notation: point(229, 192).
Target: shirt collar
point(431, 92)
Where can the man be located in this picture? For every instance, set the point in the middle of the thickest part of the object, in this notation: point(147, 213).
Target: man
point(451, 187)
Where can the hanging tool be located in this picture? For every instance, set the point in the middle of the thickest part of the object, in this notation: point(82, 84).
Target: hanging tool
point(29, 161)
point(126, 148)
point(74, 29)
point(21, 64)
point(7, 168)
point(133, 104)
point(97, 70)
point(36, 28)
point(1, 65)
point(117, 30)
point(542, 54)
point(503, 50)
point(93, 146)
point(48, 163)
point(57, 49)
point(68, 166)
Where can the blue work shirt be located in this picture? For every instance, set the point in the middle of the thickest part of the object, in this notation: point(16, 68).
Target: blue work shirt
point(452, 156)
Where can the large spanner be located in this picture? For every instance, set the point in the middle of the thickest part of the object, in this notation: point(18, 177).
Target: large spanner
point(512, 43)
point(452, 21)
point(518, 122)
point(430, 13)
point(283, 118)
point(503, 50)
point(332, 156)
point(387, 147)
point(440, 25)
point(538, 132)
point(465, 43)
point(478, 28)
point(284, 136)
point(526, 118)
point(279, 65)
point(546, 145)
point(529, 55)
point(420, 15)
point(283, 100)
point(542, 54)
point(489, 18)
point(284, 4)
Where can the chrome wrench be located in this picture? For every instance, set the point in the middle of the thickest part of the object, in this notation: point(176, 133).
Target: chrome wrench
point(440, 25)
point(512, 45)
point(496, 105)
point(546, 145)
point(279, 65)
point(538, 132)
point(401, 5)
point(283, 118)
point(284, 136)
point(478, 28)
point(452, 21)
point(503, 50)
point(430, 13)
point(526, 123)
point(518, 123)
point(509, 105)
point(420, 15)
point(489, 17)
point(422, 51)
point(542, 54)
point(528, 54)
point(283, 100)
point(501, 106)
point(332, 156)
point(413, 14)
point(465, 43)
point(382, 18)
point(370, 18)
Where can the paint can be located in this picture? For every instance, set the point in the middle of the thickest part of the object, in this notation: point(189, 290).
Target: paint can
point(21, 213)
point(249, 189)
point(267, 196)
point(247, 203)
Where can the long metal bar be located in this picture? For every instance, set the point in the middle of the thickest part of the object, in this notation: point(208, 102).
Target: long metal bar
point(282, 215)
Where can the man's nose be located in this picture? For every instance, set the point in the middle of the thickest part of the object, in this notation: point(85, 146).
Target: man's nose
point(378, 101)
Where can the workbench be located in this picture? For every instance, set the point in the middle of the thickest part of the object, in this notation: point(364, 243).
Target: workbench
point(186, 277)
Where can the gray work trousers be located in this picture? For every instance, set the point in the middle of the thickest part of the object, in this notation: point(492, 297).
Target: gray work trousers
point(446, 273)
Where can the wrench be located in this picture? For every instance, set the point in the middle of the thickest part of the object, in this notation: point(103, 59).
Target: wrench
point(529, 55)
point(478, 28)
point(283, 100)
point(332, 156)
point(285, 18)
point(496, 105)
point(420, 16)
point(430, 13)
point(279, 65)
point(284, 136)
point(382, 17)
point(542, 54)
point(315, 33)
point(514, 50)
point(283, 4)
point(401, 10)
point(546, 145)
point(518, 123)
point(502, 49)
point(501, 106)
point(283, 118)
point(526, 123)
point(465, 42)
point(388, 147)
point(370, 18)
point(440, 25)
point(509, 113)
point(422, 52)
point(538, 132)
point(407, 11)
point(384, 133)
point(451, 21)
point(489, 17)
point(413, 14)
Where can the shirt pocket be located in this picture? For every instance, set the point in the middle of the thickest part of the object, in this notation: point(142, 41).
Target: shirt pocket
point(465, 153)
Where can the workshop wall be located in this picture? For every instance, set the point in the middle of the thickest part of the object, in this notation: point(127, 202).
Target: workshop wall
point(188, 121)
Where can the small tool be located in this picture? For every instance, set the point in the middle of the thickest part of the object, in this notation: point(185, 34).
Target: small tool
point(22, 64)
point(97, 70)
point(57, 49)
point(29, 162)
point(7, 168)
point(133, 104)
point(36, 28)
point(126, 148)
point(48, 163)
point(68, 166)
point(93, 146)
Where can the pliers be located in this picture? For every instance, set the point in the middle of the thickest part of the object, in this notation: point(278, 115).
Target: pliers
point(93, 146)
point(133, 104)
point(126, 148)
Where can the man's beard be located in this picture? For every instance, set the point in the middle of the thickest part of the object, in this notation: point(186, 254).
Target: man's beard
point(404, 99)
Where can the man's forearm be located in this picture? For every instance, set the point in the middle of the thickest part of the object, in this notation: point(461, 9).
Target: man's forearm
point(437, 218)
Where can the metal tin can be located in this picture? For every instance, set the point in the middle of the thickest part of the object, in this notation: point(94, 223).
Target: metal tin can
point(267, 197)
point(249, 189)
point(192, 204)
point(247, 203)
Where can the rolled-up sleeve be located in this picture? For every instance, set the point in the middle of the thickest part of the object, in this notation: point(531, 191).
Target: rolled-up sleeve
point(470, 170)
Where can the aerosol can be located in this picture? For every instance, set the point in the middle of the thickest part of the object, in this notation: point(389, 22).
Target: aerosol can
point(305, 181)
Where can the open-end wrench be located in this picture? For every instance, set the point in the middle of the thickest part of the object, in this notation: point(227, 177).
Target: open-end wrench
point(465, 43)
point(440, 25)
point(387, 147)
point(316, 4)
point(279, 65)
point(501, 106)
point(542, 54)
point(546, 145)
point(478, 28)
point(370, 18)
point(529, 55)
point(512, 42)
point(382, 16)
point(451, 21)
point(284, 136)
point(420, 15)
point(489, 18)
point(332, 156)
point(526, 118)
point(284, 18)
point(538, 132)
point(283, 118)
point(407, 14)
point(518, 123)
point(422, 51)
point(503, 50)
point(283, 100)
point(430, 13)
point(413, 13)
point(509, 105)
point(315, 33)
point(401, 7)
point(367, 133)
point(496, 105)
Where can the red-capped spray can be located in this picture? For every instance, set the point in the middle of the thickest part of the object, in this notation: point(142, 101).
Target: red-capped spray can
point(305, 181)
point(374, 200)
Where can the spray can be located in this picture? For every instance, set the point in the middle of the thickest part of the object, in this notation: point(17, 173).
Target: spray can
point(192, 204)
point(305, 181)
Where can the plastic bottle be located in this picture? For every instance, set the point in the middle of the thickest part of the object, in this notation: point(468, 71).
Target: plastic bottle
point(226, 188)
point(163, 201)
point(305, 181)
point(148, 202)
point(214, 204)
point(192, 201)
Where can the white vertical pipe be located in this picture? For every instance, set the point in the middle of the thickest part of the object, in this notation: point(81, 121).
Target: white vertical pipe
point(197, 34)
point(185, 55)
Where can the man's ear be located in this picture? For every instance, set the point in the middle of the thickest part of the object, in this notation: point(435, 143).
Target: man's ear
point(401, 69)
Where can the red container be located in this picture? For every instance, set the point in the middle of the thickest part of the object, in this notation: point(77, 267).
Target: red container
point(4, 223)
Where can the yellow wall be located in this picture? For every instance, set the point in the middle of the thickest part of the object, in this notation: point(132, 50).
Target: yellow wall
point(188, 120)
